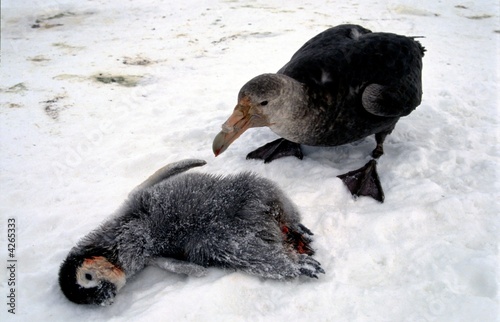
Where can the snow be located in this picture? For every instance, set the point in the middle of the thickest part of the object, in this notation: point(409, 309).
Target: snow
point(97, 95)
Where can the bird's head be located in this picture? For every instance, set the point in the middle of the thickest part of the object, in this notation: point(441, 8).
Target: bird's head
point(90, 279)
point(260, 103)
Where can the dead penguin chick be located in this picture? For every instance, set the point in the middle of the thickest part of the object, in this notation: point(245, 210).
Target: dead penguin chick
point(185, 223)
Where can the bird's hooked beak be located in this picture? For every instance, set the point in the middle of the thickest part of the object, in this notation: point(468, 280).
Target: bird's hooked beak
point(245, 116)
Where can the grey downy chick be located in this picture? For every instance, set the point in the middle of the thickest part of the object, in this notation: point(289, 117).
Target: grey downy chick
point(186, 223)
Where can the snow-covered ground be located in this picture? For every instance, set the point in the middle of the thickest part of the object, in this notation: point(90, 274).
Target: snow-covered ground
point(97, 95)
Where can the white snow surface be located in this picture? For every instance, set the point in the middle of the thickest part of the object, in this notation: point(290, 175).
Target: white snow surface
point(72, 148)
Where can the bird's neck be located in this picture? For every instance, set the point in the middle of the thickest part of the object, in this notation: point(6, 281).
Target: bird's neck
point(293, 111)
point(123, 242)
point(294, 98)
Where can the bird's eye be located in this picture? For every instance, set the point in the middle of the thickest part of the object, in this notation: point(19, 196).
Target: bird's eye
point(263, 103)
point(88, 277)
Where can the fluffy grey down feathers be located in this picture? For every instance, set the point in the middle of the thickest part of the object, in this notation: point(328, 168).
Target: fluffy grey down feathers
point(185, 223)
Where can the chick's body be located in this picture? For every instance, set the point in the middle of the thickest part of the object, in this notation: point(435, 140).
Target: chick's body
point(185, 223)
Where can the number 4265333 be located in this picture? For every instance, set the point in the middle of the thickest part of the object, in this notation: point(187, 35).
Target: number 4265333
point(11, 236)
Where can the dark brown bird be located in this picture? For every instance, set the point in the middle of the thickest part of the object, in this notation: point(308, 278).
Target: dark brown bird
point(341, 86)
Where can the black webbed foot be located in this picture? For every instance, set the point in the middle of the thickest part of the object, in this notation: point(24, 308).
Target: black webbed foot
point(308, 266)
point(275, 150)
point(304, 230)
point(364, 181)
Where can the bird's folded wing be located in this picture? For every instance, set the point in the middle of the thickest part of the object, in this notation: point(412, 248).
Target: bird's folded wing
point(179, 267)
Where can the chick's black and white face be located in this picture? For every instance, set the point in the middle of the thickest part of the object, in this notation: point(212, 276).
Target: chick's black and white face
point(92, 280)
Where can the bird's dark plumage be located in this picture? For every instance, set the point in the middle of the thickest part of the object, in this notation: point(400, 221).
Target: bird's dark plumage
point(185, 223)
point(342, 85)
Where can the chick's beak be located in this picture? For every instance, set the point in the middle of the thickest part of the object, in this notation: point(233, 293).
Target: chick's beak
point(244, 117)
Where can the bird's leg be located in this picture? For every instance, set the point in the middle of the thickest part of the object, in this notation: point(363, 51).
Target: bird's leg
point(379, 149)
point(275, 150)
point(269, 260)
point(297, 238)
